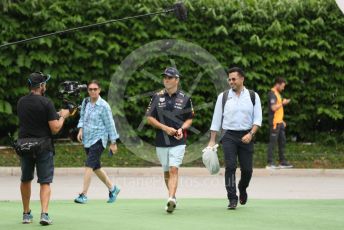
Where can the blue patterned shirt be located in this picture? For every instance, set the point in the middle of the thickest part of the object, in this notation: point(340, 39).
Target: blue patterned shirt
point(97, 123)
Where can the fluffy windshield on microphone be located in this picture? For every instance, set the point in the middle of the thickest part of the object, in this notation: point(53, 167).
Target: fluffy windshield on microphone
point(180, 11)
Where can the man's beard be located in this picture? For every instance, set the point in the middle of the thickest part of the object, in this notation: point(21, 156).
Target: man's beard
point(43, 92)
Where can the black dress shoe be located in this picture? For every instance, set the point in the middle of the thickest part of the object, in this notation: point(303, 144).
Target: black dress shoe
point(243, 197)
point(232, 204)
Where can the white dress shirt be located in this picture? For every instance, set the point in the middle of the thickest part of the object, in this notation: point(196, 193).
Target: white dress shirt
point(239, 112)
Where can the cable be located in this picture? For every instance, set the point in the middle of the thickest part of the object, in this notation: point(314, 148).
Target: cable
point(84, 27)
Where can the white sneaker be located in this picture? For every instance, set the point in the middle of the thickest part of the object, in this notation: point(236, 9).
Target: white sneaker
point(171, 205)
point(271, 166)
point(285, 165)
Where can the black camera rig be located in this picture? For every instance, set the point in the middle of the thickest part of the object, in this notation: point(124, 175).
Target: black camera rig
point(69, 92)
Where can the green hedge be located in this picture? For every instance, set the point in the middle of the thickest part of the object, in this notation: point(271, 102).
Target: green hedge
point(302, 41)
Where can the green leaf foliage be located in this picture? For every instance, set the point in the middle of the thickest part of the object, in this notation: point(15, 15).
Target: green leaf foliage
point(302, 41)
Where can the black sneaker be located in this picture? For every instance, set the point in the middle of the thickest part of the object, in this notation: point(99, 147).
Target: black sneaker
point(232, 204)
point(243, 197)
point(285, 165)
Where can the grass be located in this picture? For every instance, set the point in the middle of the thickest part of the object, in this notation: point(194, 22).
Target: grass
point(299, 154)
point(190, 214)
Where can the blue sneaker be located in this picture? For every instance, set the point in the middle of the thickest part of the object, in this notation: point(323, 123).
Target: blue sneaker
point(113, 194)
point(27, 218)
point(81, 199)
point(45, 219)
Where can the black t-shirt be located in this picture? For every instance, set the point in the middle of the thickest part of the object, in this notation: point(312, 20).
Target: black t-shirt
point(272, 100)
point(34, 112)
point(172, 111)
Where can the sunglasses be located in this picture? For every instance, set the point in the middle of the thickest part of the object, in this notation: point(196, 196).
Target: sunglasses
point(232, 79)
point(92, 89)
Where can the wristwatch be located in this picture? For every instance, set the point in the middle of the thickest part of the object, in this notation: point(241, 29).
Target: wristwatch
point(252, 133)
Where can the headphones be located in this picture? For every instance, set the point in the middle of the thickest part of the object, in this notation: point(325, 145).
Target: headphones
point(42, 75)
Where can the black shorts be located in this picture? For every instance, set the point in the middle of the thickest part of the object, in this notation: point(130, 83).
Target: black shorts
point(44, 162)
point(93, 155)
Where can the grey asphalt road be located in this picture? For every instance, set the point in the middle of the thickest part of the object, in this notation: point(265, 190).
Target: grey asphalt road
point(144, 183)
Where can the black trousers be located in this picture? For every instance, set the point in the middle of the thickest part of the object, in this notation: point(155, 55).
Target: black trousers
point(234, 149)
point(277, 135)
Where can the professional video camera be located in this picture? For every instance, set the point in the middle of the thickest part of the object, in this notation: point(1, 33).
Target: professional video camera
point(69, 92)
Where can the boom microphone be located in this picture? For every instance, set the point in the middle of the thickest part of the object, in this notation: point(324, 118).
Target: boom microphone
point(179, 10)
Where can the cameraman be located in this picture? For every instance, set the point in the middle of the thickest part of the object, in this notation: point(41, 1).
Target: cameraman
point(38, 120)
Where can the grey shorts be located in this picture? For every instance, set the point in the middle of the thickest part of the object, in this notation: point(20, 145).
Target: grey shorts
point(44, 163)
point(170, 156)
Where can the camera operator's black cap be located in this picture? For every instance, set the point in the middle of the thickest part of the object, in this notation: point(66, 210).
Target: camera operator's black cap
point(37, 78)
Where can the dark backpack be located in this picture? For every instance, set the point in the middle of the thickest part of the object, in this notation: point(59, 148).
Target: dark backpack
point(225, 95)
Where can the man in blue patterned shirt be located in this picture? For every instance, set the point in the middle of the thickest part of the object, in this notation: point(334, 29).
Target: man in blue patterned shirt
point(96, 128)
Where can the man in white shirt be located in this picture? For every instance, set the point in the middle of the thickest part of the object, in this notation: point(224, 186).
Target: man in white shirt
point(239, 116)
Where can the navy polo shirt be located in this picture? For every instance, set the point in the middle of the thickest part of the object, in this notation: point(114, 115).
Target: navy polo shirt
point(172, 111)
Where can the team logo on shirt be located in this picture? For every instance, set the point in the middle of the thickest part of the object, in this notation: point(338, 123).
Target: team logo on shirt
point(179, 100)
point(161, 104)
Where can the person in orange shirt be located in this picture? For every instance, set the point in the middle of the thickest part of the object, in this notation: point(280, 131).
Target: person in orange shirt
point(277, 125)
